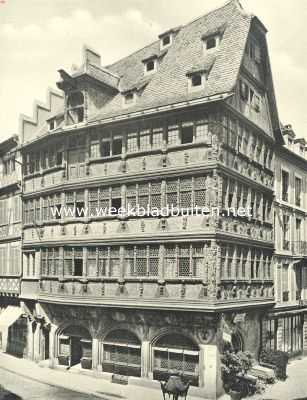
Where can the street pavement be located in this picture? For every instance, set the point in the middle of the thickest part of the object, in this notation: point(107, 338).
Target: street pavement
point(28, 381)
point(16, 387)
point(293, 388)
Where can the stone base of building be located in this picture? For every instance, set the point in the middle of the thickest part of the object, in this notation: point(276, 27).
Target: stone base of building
point(139, 347)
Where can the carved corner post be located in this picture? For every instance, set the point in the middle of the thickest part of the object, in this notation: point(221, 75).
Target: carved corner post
point(37, 341)
point(213, 270)
point(52, 346)
point(210, 366)
point(30, 341)
point(145, 359)
point(95, 354)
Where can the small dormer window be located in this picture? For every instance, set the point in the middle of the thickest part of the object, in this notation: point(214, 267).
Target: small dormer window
point(166, 40)
point(196, 80)
point(211, 43)
point(150, 66)
point(129, 99)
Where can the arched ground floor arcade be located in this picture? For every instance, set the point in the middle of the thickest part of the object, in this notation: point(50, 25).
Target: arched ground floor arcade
point(140, 346)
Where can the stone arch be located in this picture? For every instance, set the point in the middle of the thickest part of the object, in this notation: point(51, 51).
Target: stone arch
point(171, 331)
point(123, 326)
point(74, 345)
point(65, 325)
point(122, 352)
point(175, 352)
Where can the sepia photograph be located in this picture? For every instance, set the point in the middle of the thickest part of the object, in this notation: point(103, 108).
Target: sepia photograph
point(153, 200)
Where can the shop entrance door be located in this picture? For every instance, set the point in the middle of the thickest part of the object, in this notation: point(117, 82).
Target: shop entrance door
point(76, 350)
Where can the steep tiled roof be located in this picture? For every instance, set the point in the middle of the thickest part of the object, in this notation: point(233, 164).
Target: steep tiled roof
point(169, 84)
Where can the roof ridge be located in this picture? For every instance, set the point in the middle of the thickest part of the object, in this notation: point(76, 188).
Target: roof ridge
point(211, 11)
point(181, 26)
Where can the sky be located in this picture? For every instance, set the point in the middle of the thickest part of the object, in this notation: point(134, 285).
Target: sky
point(38, 37)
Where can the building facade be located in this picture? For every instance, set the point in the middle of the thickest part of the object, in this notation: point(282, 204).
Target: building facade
point(13, 328)
point(141, 296)
point(188, 122)
point(285, 327)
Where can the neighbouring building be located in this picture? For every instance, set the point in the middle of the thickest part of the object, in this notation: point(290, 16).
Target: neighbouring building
point(285, 328)
point(189, 121)
point(13, 325)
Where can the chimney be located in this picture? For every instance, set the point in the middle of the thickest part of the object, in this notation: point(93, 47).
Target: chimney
point(90, 56)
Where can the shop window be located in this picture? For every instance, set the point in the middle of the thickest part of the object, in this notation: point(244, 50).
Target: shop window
point(177, 354)
point(122, 353)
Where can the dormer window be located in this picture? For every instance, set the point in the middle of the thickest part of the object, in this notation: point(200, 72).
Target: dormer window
point(129, 99)
point(150, 66)
point(196, 80)
point(166, 40)
point(211, 42)
point(75, 108)
point(167, 37)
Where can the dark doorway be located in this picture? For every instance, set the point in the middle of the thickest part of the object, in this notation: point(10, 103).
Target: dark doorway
point(76, 350)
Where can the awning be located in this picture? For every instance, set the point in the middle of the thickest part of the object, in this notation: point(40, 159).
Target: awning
point(9, 316)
